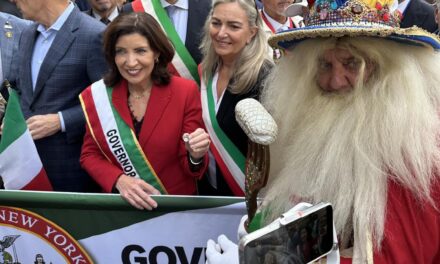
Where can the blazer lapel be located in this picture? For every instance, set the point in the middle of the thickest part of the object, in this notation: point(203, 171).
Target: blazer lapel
point(58, 49)
point(7, 44)
point(27, 42)
point(159, 99)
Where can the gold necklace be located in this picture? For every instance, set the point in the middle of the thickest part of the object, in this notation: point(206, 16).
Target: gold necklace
point(139, 96)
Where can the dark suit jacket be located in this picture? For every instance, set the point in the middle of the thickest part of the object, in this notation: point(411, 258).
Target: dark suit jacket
point(172, 110)
point(10, 8)
point(227, 122)
point(10, 32)
point(82, 4)
point(73, 62)
point(198, 11)
point(419, 13)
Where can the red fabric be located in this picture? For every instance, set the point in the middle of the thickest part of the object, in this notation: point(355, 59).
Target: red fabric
point(39, 183)
point(137, 6)
point(92, 117)
point(171, 111)
point(346, 260)
point(230, 180)
point(412, 229)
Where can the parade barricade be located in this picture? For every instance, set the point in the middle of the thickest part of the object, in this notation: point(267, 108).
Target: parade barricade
point(103, 228)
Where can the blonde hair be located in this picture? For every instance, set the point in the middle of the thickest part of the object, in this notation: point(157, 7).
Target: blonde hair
point(345, 148)
point(252, 57)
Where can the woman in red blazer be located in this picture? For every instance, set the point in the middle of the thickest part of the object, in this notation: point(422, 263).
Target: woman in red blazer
point(144, 127)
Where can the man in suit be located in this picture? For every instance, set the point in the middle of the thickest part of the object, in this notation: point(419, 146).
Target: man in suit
point(83, 5)
point(187, 19)
point(103, 10)
point(61, 54)
point(274, 20)
point(417, 13)
point(7, 7)
point(11, 28)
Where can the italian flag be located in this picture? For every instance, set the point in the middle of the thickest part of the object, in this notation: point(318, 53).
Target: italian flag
point(20, 164)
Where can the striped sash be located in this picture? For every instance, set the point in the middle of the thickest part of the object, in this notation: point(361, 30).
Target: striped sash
point(227, 156)
point(182, 61)
point(117, 141)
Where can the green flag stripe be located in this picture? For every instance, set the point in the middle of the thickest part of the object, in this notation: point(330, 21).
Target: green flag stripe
point(227, 143)
point(175, 39)
point(14, 122)
point(75, 210)
point(135, 156)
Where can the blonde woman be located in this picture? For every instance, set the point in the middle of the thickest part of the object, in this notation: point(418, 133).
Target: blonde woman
point(234, 66)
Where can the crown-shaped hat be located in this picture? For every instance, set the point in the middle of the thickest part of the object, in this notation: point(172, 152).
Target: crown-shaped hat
point(354, 18)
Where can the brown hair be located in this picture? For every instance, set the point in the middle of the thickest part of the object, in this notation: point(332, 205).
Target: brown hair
point(145, 25)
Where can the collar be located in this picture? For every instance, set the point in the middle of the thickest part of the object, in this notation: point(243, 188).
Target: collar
point(59, 22)
point(182, 4)
point(111, 17)
point(403, 5)
point(275, 24)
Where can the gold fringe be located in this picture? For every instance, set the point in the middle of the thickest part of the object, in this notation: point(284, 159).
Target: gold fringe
point(338, 31)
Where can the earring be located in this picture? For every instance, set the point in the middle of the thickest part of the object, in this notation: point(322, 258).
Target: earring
point(156, 60)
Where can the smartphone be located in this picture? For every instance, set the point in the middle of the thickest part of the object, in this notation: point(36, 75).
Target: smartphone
point(293, 238)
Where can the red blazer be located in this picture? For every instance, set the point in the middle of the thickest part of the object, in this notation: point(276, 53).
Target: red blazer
point(172, 110)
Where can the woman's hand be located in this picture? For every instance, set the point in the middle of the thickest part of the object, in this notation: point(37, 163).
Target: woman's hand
point(137, 192)
point(197, 143)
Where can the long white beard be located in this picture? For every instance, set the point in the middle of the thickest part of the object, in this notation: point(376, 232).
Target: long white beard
point(343, 148)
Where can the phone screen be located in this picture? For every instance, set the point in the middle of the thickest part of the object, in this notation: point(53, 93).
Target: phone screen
point(300, 241)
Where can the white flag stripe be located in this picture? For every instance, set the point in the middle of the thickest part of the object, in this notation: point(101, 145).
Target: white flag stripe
point(189, 230)
point(20, 162)
point(106, 117)
point(236, 172)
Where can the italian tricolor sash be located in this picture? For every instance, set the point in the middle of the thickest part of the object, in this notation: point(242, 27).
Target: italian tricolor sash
point(182, 61)
point(115, 138)
point(227, 156)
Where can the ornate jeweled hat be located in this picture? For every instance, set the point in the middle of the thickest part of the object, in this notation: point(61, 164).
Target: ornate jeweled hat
point(354, 18)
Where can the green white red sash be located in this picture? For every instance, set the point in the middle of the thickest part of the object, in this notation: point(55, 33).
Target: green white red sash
point(227, 156)
point(182, 61)
point(115, 138)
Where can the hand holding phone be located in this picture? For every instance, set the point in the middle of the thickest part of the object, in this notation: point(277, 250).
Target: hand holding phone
point(296, 237)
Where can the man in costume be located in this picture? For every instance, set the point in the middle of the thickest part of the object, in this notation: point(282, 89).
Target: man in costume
point(182, 21)
point(356, 101)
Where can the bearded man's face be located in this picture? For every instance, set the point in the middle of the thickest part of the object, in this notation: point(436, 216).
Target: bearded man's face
point(338, 71)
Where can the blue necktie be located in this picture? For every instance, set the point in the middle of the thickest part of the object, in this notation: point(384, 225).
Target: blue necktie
point(171, 10)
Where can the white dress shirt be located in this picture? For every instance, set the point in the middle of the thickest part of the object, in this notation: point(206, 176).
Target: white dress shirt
point(179, 16)
point(275, 24)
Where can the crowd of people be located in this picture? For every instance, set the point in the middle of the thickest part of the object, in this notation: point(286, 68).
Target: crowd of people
point(138, 98)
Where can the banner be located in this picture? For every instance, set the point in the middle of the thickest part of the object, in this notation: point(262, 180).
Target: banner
point(102, 228)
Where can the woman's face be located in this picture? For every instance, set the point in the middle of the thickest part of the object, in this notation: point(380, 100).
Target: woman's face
point(230, 31)
point(135, 59)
